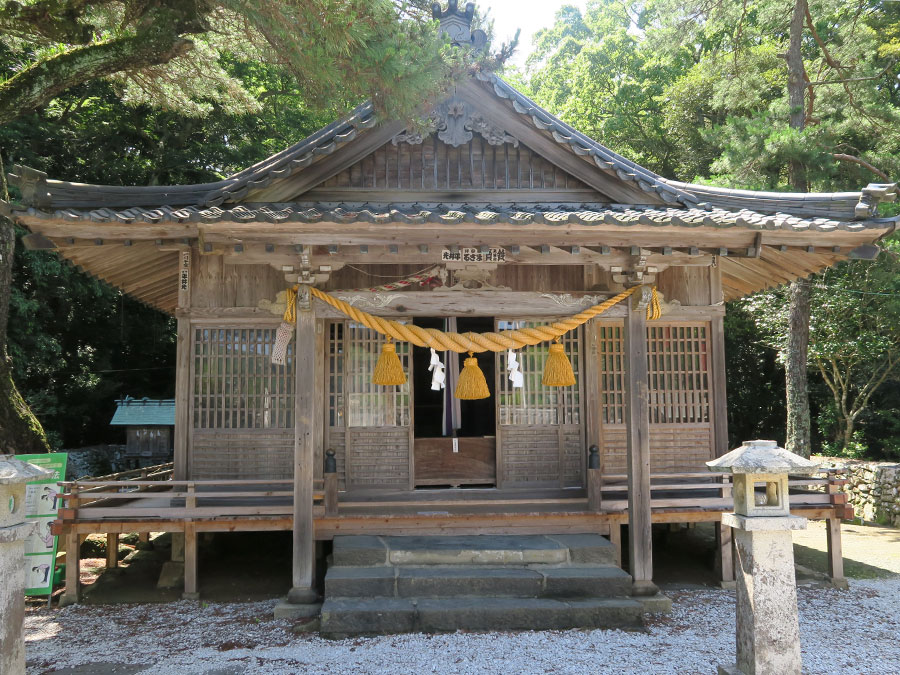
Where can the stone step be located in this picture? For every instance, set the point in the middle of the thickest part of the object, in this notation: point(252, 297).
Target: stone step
point(465, 580)
point(342, 617)
point(480, 550)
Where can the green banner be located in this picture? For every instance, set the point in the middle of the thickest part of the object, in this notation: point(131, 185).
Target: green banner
point(42, 502)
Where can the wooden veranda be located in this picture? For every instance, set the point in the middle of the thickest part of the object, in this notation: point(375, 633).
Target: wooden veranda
point(159, 504)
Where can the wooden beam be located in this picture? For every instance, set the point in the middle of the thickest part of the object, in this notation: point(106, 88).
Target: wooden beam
point(637, 434)
point(304, 556)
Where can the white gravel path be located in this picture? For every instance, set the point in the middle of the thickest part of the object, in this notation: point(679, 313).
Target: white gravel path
point(856, 631)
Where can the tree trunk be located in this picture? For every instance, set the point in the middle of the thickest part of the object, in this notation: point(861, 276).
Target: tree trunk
point(20, 431)
point(796, 87)
point(796, 384)
point(795, 371)
point(849, 427)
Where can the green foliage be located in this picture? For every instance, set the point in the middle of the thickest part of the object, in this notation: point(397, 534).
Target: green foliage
point(76, 343)
point(169, 53)
point(697, 90)
point(755, 381)
point(854, 341)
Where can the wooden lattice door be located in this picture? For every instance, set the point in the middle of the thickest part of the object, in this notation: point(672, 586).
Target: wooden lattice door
point(540, 428)
point(368, 426)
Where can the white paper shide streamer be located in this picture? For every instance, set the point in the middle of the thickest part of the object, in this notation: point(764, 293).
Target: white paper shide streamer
point(512, 367)
point(438, 376)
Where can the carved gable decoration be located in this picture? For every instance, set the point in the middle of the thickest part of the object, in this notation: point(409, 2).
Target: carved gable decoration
point(455, 122)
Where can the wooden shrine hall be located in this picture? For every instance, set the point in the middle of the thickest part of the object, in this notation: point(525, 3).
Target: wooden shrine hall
point(497, 217)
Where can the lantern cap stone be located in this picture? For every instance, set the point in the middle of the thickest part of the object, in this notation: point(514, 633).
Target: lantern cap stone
point(762, 457)
point(14, 470)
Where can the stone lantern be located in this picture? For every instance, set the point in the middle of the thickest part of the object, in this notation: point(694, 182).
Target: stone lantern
point(768, 631)
point(14, 473)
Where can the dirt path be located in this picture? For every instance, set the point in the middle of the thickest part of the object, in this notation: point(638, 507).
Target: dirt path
point(870, 552)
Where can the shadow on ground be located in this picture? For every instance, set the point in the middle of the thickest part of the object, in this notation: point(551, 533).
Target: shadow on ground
point(232, 567)
point(249, 566)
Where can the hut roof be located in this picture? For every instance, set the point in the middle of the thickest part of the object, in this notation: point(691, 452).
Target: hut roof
point(144, 412)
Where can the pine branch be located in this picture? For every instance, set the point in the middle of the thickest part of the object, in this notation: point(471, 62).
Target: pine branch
point(42, 81)
point(843, 157)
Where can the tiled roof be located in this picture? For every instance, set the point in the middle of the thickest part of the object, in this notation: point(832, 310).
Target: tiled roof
point(456, 213)
point(144, 412)
point(42, 193)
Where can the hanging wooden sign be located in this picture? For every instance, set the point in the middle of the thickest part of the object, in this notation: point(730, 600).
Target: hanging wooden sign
point(491, 255)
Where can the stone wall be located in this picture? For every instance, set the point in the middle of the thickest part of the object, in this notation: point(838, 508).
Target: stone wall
point(873, 490)
point(96, 460)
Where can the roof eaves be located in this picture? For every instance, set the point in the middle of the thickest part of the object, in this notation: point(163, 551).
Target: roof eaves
point(531, 213)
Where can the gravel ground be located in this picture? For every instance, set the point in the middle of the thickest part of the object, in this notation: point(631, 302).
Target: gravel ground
point(842, 632)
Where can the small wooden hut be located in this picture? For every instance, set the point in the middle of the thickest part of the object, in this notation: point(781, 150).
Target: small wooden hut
point(148, 430)
point(499, 216)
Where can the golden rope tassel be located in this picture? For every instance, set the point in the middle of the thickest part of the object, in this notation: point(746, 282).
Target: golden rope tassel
point(654, 309)
point(471, 385)
point(389, 370)
point(558, 369)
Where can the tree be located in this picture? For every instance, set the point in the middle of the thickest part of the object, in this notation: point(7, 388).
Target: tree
point(607, 80)
point(854, 337)
point(761, 94)
point(77, 344)
point(174, 54)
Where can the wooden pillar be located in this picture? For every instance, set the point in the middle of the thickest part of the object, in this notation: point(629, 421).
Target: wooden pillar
point(725, 556)
point(637, 434)
point(594, 480)
point(615, 538)
point(181, 440)
point(719, 398)
point(72, 593)
point(112, 550)
point(190, 562)
point(303, 577)
point(331, 484)
point(835, 554)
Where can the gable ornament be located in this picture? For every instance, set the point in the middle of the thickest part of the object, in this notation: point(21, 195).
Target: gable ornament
point(456, 123)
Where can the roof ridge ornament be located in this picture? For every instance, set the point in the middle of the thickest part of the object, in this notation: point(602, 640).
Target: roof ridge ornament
point(457, 24)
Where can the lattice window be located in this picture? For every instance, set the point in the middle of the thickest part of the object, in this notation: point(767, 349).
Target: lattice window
point(677, 359)
point(612, 373)
point(678, 372)
point(372, 405)
point(336, 375)
point(236, 386)
point(535, 403)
